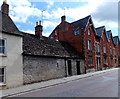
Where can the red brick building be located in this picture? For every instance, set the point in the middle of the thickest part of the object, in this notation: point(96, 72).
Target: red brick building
point(119, 54)
point(117, 47)
point(102, 47)
point(93, 43)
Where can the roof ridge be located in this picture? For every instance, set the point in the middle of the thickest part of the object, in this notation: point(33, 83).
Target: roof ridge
point(115, 36)
point(100, 27)
point(82, 18)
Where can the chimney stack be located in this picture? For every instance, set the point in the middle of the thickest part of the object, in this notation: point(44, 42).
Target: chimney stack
point(5, 7)
point(38, 29)
point(63, 18)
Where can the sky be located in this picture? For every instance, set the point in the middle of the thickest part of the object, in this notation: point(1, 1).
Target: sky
point(25, 13)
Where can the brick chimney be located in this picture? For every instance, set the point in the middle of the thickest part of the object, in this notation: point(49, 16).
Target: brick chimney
point(63, 18)
point(38, 29)
point(5, 7)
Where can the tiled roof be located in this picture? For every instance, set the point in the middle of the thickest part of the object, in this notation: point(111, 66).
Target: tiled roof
point(7, 25)
point(99, 31)
point(116, 40)
point(82, 22)
point(34, 45)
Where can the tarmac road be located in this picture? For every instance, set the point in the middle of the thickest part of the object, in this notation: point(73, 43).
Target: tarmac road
point(102, 85)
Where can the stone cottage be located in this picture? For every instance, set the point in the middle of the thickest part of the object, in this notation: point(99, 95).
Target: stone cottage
point(45, 58)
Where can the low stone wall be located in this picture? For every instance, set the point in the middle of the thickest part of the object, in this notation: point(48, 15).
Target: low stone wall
point(37, 69)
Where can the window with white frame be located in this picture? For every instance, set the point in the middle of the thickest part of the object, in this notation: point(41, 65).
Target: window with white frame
point(89, 32)
point(110, 51)
point(2, 46)
point(105, 60)
point(98, 47)
point(114, 52)
point(104, 49)
point(103, 38)
point(2, 74)
point(89, 45)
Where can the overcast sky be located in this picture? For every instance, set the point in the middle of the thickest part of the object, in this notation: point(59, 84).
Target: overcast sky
point(25, 13)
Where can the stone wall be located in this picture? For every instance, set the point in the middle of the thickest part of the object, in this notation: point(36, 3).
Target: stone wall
point(82, 66)
point(38, 69)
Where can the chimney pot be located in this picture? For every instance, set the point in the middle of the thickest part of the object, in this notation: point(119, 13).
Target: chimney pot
point(36, 23)
point(38, 29)
point(40, 23)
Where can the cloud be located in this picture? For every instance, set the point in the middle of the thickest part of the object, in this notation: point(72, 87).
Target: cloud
point(21, 10)
point(77, 12)
point(46, 34)
point(48, 24)
point(28, 31)
point(20, 15)
point(107, 12)
point(104, 12)
point(106, 23)
point(50, 3)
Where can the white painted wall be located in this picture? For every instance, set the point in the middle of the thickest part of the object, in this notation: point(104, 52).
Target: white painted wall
point(13, 60)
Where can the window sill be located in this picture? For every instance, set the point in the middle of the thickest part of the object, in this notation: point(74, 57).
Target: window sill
point(90, 65)
point(2, 84)
point(3, 55)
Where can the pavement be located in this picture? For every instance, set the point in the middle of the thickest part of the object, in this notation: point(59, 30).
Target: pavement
point(44, 84)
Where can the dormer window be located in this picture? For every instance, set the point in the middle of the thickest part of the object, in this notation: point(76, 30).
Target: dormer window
point(2, 46)
point(76, 32)
point(89, 32)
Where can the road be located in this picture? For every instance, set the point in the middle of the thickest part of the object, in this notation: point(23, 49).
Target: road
point(102, 85)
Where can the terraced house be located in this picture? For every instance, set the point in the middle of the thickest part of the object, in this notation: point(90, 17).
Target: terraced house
point(98, 47)
point(72, 49)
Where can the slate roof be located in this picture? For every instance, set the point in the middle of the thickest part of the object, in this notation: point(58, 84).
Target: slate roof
point(116, 40)
point(109, 34)
point(33, 45)
point(7, 25)
point(82, 22)
point(99, 31)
